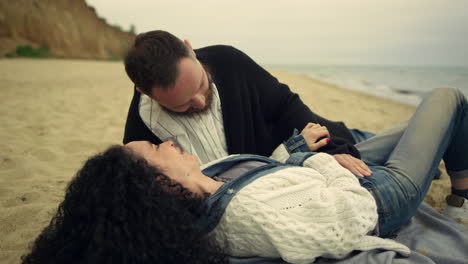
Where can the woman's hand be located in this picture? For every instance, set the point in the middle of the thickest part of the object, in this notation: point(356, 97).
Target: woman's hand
point(312, 132)
point(354, 165)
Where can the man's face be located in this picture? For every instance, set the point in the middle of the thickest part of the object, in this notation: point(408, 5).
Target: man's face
point(192, 91)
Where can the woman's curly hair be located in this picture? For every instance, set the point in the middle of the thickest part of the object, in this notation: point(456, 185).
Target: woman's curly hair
point(119, 209)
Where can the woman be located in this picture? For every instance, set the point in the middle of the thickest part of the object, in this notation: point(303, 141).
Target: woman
point(133, 202)
point(118, 209)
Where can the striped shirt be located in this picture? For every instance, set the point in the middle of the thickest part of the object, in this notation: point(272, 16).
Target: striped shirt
point(200, 134)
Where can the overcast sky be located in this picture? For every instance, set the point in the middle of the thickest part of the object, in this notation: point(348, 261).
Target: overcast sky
point(419, 32)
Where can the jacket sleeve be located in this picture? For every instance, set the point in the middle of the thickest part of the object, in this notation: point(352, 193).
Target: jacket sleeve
point(286, 111)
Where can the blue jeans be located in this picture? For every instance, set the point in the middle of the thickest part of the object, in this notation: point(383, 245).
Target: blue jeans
point(404, 159)
point(360, 135)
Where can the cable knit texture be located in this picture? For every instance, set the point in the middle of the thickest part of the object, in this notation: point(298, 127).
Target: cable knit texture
point(302, 213)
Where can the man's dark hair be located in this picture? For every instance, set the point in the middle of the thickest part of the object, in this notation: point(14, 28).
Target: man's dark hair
point(152, 60)
point(120, 209)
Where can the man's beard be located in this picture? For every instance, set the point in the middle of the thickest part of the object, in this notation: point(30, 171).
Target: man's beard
point(208, 99)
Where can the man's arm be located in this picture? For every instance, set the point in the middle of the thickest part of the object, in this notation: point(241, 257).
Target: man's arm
point(286, 111)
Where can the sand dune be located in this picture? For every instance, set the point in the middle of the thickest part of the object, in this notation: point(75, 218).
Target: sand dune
point(56, 113)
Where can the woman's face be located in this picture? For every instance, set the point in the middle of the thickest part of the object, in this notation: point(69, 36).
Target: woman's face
point(171, 160)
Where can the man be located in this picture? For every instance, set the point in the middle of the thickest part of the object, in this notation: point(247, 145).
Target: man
point(216, 101)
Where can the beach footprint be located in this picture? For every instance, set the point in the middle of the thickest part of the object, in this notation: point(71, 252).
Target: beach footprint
point(16, 222)
point(7, 162)
point(4, 192)
point(43, 154)
point(20, 199)
point(77, 146)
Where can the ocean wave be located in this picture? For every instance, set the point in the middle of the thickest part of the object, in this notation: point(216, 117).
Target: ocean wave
point(405, 84)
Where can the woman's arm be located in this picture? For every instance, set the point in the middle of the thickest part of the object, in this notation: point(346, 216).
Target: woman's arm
point(315, 138)
point(298, 143)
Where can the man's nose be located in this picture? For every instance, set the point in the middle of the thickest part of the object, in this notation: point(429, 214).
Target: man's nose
point(199, 102)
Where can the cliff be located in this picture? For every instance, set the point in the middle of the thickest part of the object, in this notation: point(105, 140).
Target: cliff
point(68, 28)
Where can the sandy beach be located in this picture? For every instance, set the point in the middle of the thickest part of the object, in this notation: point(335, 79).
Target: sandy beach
point(56, 113)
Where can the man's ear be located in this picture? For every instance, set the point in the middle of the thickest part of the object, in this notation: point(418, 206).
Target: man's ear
point(190, 48)
point(188, 44)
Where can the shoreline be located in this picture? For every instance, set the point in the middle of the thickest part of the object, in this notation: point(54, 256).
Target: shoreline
point(370, 112)
point(402, 83)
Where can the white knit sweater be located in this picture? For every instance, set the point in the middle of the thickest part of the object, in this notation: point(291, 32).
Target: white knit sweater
point(302, 213)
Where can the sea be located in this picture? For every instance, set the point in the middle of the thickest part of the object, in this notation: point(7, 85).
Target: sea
point(404, 84)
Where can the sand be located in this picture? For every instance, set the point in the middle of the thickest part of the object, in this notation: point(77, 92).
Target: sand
point(56, 113)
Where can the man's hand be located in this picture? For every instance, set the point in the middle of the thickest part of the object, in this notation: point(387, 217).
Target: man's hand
point(354, 165)
point(312, 132)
